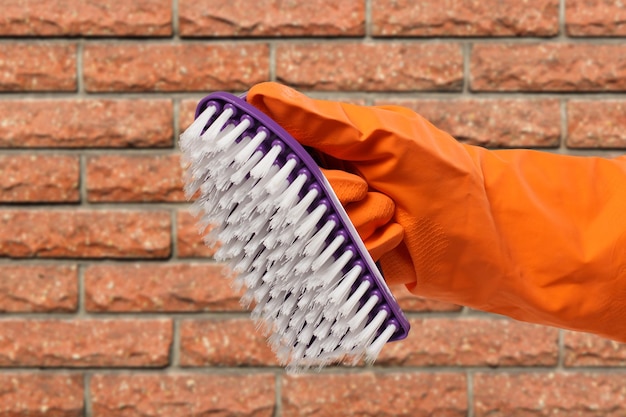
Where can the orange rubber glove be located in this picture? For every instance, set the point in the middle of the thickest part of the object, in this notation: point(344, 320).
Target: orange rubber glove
point(535, 236)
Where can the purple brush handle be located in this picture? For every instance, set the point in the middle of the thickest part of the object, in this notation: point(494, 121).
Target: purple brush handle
point(389, 302)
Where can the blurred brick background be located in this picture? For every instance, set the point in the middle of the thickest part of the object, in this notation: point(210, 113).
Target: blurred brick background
point(111, 305)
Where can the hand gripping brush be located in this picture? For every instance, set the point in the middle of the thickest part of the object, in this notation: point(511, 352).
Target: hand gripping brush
point(317, 293)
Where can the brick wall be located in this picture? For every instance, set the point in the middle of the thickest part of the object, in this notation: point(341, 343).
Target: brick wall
point(111, 305)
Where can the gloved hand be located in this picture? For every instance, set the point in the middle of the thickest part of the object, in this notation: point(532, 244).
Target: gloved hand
point(535, 236)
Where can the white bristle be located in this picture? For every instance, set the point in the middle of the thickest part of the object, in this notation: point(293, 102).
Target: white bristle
point(275, 232)
point(217, 125)
point(277, 181)
point(354, 299)
point(364, 310)
point(194, 131)
point(366, 335)
point(245, 169)
point(298, 211)
point(310, 221)
point(290, 196)
point(373, 350)
point(340, 292)
point(314, 245)
point(334, 269)
point(263, 167)
point(328, 252)
point(247, 151)
point(229, 139)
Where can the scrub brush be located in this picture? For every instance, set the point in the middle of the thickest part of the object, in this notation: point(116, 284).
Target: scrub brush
point(318, 296)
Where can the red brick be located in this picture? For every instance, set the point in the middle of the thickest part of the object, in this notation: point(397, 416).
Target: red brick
point(188, 240)
point(182, 395)
point(84, 234)
point(595, 18)
point(549, 394)
point(154, 288)
point(85, 343)
point(39, 178)
point(227, 342)
point(583, 349)
point(34, 288)
point(86, 123)
point(548, 67)
point(41, 395)
point(87, 18)
point(473, 342)
point(596, 124)
point(369, 66)
point(187, 112)
point(493, 123)
point(116, 178)
point(410, 302)
point(465, 18)
point(369, 394)
point(170, 67)
point(37, 67)
point(271, 18)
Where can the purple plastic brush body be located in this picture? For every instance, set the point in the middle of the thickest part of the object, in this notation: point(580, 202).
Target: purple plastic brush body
point(337, 212)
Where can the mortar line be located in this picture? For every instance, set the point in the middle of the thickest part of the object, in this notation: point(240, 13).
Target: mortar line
point(175, 348)
point(467, 51)
point(470, 393)
point(278, 384)
point(81, 311)
point(564, 132)
point(175, 22)
point(87, 394)
point(368, 21)
point(80, 84)
point(562, 24)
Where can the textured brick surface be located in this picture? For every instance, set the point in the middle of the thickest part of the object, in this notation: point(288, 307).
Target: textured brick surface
point(548, 67)
point(188, 240)
point(86, 123)
point(229, 342)
point(37, 67)
point(186, 112)
point(182, 395)
point(596, 124)
point(87, 17)
point(390, 394)
point(465, 18)
point(582, 349)
point(374, 67)
point(134, 178)
point(163, 67)
point(549, 394)
point(39, 178)
point(84, 234)
point(85, 343)
point(30, 288)
point(473, 342)
point(595, 18)
point(172, 287)
point(271, 18)
point(112, 304)
point(42, 395)
point(493, 123)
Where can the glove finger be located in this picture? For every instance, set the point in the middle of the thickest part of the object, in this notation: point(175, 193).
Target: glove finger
point(370, 213)
point(348, 187)
point(384, 240)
